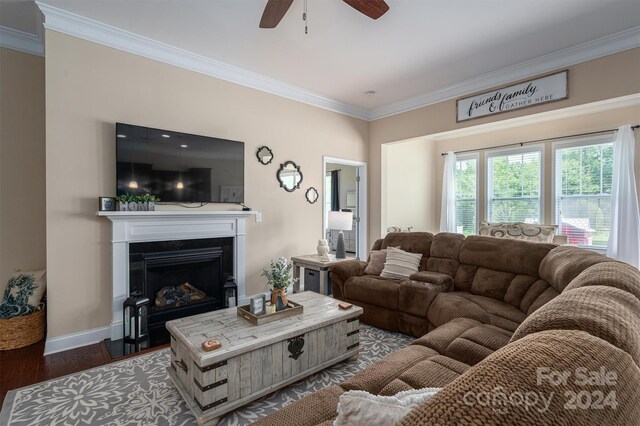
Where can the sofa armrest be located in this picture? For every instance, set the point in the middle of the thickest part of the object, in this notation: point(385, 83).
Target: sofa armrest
point(416, 296)
point(341, 272)
point(433, 278)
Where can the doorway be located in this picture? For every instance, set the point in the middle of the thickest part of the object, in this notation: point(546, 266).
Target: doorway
point(345, 189)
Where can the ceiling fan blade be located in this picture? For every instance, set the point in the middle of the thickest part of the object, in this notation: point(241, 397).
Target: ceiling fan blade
point(372, 8)
point(273, 13)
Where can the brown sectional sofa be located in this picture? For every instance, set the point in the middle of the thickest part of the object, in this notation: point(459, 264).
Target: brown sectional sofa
point(488, 313)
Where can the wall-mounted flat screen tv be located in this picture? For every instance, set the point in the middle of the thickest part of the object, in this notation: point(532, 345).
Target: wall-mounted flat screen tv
point(178, 167)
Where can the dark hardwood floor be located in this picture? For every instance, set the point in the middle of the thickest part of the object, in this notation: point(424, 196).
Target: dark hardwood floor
point(26, 366)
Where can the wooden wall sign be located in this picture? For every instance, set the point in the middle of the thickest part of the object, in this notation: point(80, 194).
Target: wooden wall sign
point(550, 88)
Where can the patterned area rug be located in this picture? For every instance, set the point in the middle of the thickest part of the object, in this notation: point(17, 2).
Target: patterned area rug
point(138, 391)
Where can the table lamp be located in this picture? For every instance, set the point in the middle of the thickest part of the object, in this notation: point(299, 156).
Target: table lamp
point(340, 221)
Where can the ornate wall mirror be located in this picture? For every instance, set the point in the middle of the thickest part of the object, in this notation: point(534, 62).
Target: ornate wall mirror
point(289, 176)
point(265, 155)
point(311, 195)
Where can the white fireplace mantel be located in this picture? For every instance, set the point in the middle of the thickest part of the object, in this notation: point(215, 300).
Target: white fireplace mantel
point(166, 225)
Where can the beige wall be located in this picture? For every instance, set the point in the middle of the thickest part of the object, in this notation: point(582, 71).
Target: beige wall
point(408, 194)
point(604, 78)
point(22, 163)
point(90, 87)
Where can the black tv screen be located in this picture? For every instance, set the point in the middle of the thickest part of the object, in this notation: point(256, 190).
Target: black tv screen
point(178, 167)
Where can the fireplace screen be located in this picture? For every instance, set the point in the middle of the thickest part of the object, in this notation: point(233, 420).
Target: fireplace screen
point(180, 278)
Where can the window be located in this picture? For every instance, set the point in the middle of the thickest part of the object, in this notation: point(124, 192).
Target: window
point(583, 176)
point(514, 182)
point(466, 194)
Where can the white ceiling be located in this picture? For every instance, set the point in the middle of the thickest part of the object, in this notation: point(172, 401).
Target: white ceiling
point(419, 46)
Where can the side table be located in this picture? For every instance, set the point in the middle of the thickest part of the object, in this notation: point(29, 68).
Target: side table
point(313, 264)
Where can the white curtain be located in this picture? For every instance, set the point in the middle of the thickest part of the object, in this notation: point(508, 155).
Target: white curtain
point(448, 208)
point(624, 241)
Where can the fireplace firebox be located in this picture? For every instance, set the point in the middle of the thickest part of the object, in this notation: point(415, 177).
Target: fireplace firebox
point(181, 278)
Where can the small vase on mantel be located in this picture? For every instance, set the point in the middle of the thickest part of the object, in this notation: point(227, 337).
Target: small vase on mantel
point(279, 298)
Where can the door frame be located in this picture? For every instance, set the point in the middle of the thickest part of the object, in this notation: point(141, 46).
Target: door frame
point(362, 250)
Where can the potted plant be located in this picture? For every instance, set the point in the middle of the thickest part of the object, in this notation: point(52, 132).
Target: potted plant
point(279, 277)
point(132, 202)
point(149, 201)
point(123, 201)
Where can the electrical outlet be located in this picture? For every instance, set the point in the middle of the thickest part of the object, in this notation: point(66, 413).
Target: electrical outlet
point(258, 217)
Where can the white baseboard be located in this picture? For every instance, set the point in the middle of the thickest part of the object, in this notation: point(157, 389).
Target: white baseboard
point(75, 340)
point(84, 338)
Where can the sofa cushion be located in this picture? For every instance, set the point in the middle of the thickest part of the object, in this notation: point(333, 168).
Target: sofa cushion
point(514, 256)
point(377, 291)
point(564, 263)
point(413, 242)
point(443, 256)
point(379, 374)
point(482, 395)
point(465, 340)
point(610, 274)
point(432, 277)
point(377, 258)
point(448, 306)
point(491, 283)
point(437, 371)
point(313, 410)
point(518, 288)
point(605, 312)
point(400, 264)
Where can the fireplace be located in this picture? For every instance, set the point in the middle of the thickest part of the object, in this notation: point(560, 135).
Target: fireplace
point(171, 231)
point(180, 278)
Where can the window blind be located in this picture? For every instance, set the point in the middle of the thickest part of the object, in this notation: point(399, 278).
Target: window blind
point(514, 186)
point(583, 177)
point(466, 190)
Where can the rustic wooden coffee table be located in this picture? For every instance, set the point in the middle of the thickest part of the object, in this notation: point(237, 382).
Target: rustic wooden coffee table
point(256, 360)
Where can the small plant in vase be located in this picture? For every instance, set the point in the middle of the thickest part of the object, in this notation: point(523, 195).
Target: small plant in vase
point(133, 202)
point(279, 277)
point(149, 201)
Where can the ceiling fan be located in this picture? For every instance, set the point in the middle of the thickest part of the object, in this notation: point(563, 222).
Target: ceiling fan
point(275, 10)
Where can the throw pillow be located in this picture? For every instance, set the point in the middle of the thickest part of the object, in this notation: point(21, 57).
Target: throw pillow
point(399, 229)
point(376, 262)
point(519, 231)
point(539, 233)
point(400, 264)
point(23, 293)
point(361, 408)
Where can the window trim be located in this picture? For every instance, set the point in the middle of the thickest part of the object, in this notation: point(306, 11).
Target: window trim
point(474, 156)
point(497, 152)
point(599, 139)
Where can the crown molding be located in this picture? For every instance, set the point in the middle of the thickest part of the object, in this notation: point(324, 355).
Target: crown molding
point(558, 114)
point(19, 40)
point(88, 29)
point(604, 46)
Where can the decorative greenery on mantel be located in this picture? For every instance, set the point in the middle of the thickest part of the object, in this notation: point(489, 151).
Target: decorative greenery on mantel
point(137, 202)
